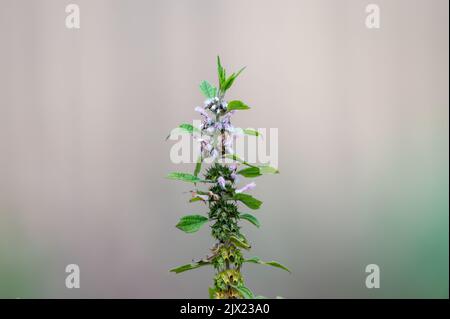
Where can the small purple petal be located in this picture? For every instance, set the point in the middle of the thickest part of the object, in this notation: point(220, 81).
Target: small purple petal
point(221, 182)
point(246, 188)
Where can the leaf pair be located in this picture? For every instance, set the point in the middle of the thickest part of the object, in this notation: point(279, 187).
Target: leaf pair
point(225, 82)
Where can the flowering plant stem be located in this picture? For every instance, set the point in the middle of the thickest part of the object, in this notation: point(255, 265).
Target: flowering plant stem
point(222, 197)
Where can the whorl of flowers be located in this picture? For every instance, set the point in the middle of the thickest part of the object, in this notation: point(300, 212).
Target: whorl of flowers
point(222, 196)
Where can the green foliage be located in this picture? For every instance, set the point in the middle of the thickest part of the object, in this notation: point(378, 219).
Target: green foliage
point(251, 132)
point(221, 197)
point(252, 219)
point(186, 177)
point(248, 200)
point(245, 292)
point(191, 223)
point(268, 170)
point(198, 166)
point(226, 82)
point(276, 264)
point(255, 171)
point(184, 128)
point(237, 105)
point(212, 291)
point(240, 242)
point(190, 266)
point(221, 73)
point(208, 90)
point(250, 172)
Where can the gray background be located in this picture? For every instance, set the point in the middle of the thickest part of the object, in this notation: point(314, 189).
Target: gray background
point(363, 144)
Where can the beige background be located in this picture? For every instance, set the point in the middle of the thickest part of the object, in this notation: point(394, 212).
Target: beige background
point(363, 144)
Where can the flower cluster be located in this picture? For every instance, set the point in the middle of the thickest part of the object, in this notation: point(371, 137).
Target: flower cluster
point(216, 130)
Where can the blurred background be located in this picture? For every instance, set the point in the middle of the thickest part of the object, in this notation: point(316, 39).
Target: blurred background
point(362, 116)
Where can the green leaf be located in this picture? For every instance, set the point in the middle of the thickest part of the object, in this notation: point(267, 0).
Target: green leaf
point(188, 128)
point(252, 219)
point(221, 73)
point(257, 260)
point(207, 89)
point(229, 82)
point(244, 291)
point(255, 171)
point(277, 265)
point(239, 242)
point(268, 170)
point(237, 105)
point(251, 132)
point(191, 223)
point(196, 199)
point(186, 177)
point(250, 172)
point(248, 200)
point(239, 72)
point(190, 266)
point(236, 158)
point(184, 128)
point(198, 166)
point(211, 291)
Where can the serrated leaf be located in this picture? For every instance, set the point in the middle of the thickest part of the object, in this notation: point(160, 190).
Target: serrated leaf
point(248, 200)
point(190, 266)
point(191, 223)
point(252, 219)
point(185, 177)
point(208, 90)
point(251, 132)
point(239, 242)
point(237, 105)
point(244, 291)
point(257, 260)
point(250, 172)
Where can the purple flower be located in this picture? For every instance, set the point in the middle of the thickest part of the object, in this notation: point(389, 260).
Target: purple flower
point(246, 188)
point(221, 182)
